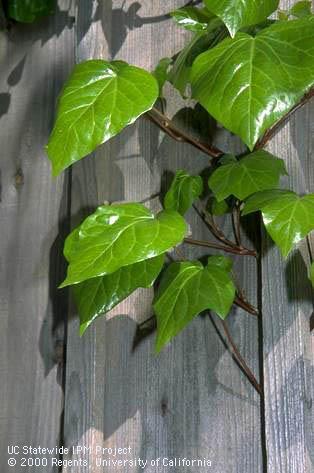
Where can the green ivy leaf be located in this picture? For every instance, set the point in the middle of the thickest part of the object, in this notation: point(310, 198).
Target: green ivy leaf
point(192, 18)
point(179, 74)
point(249, 83)
point(161, 72)
point(301, 9)
point(97, 296)
point(27, 11)
point(283, 15)
point(228, 159)
point(188, 288)
point(238, 13)
point(222, 261)
point(288, 218)
point(183, 191)
point(119, 235)
point(217, 208)
point(255, 172)
point(98, 101)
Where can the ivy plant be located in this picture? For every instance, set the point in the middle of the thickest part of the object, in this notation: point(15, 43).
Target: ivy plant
point(27, 11)
point(249, 66)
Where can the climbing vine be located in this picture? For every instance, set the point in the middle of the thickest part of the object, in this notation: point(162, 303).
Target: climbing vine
point(249, 66)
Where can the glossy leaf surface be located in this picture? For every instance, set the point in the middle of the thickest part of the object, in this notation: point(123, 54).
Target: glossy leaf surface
point(248, 83)
point(183, 191)
point(27, 11)
point(239, 13)
point(119, 235)
point(191, 18)
point(287, 217)
point(97, 102)
point(97, 296)
point(188, 288)
point(255, 172)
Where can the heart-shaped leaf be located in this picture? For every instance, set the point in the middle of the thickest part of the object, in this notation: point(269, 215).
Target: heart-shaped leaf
point(97, 296)
point(239, 13)
point(27, 11)
point(191, 18)
point(248, 83)
point(255, 172)
point(287, 217)
point(188, 288)
point(98, 101)
point(183, 191)
point(119, 235)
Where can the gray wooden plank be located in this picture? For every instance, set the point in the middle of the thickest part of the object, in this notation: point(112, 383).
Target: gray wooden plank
point(287, 302)
point(191, 401)
point(34, 59)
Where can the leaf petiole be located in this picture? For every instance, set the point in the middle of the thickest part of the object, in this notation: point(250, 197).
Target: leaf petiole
point(235, 250)
point(168, 127)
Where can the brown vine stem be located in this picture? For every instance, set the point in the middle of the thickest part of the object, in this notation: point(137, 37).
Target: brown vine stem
point(213, 228)
point(236, 353)
point(148, 199)
point(235, 250)
point(273, 130)
point(167, 126)
point(236, 223)
point(243, 304)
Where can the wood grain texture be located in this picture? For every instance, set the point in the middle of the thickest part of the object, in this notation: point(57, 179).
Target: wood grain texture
point(35, 60)
point(191, 401)
point(287, 303)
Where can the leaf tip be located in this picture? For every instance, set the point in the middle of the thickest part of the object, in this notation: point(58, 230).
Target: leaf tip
point(64, 284)
point(83, 327)
point(159, 346)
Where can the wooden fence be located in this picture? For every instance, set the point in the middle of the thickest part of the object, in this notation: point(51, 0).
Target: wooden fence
point(104, 390)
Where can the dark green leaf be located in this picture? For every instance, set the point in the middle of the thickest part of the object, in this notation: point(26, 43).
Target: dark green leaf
point(27, 11)
point(183, 191)
point(249, 83)
point(283, 15)
point(3, 19)
point(186, 289)
point(256, 201)
point(161, 72)
point(255, 29)
point(238, 13)
point(98, 101)
point(179, 75)
point(228, 159)
point(192, 18)
point(99, 295)
point(119, 235)
point(222, 261)
point(287, 217)
point(301, 9)
point(255, 172)
point(218, 208)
